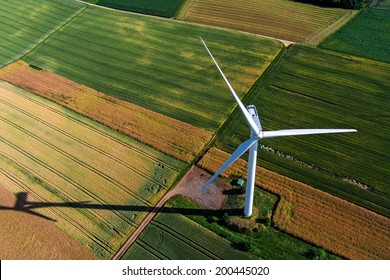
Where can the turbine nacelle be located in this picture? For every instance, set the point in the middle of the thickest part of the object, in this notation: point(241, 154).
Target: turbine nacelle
point(251, 116)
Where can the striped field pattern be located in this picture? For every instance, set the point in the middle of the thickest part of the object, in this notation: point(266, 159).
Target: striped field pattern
point(24, 24)
point(157, 64)
point(283, 19)
point(96, 183)
point(173, 236)
point(178, 139)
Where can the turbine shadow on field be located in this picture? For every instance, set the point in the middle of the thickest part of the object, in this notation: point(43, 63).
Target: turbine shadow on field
point(24, 206)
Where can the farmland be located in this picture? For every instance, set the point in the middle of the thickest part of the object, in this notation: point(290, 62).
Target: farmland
point(322, 219)
point(170, 136)
point(40, 19)
point(21, 235)
point(289, 20)
point(157, 64)
point(113, 74)
point(366, 35)
point(309, 87)
point(172, 225)
point(166, 8)
point(97, 184)
point(173, 236)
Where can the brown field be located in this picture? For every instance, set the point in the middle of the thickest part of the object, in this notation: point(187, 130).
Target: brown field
point(288, 20)
point(25, 236)
point(174, 138)
point(318, 217)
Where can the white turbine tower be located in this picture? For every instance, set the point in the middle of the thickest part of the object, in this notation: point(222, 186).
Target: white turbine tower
point(257, 133)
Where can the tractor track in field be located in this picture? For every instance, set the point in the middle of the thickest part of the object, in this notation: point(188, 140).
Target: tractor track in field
point(145, 223)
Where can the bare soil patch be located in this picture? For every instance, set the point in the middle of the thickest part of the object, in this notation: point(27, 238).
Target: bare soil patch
point(213, 197)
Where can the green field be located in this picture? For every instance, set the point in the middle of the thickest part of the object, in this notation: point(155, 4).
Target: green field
point(96, 183)
point(172, 235)
point(166, 8)
point(367, 36)
point(158, 64)
point(25, 24)
point(315, 88)
point(283, 19)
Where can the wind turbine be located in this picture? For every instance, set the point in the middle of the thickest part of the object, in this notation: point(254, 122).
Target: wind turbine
point(256, 134)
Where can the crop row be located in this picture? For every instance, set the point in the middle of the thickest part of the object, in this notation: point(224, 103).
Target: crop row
point(281, 19)
point(99, 189)
point(322, 219)
point(174, 236)
point(366, 36)
point(157, 64)
point(27, 23)
point(39, 124)
point(170, 136)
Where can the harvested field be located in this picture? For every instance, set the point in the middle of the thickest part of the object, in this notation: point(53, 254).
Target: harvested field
point(24, 24)
point(178, 139)
point(25, 236)
point(320, 218)
point(96, 183)
point(283, 19)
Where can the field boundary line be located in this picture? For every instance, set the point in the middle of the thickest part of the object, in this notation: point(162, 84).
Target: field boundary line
point(319, 37)
point(48, 35)
point(88, 126)
point(76, 139)
point(286, 43)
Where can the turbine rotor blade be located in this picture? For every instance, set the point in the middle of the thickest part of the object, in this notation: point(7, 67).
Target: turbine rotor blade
point(237, 153)
point(248, 117)
point(294, 132)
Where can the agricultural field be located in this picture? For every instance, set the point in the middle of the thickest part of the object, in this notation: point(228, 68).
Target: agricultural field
point(366, 36)
point(96, 184)
point(178, 139)
point(166, 8)
point(22, 233)
point(283, 19)
point(310, 87)
point(173, 236)
point(25, 24)
point(329, 222)
point(157, 64)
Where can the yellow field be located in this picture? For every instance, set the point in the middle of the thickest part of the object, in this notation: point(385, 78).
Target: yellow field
point(25, 236)
point(173, 137)
point(97, 184)
point(318, 217)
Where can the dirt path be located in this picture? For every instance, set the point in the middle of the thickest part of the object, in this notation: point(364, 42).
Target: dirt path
point(189, 186)
point(326, 32)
